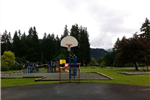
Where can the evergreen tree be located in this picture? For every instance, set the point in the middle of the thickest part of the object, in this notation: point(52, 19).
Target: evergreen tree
point(16, 44)
point(49, 47)
point(57, 46)
point(66, 32)
point(0, 43)
point(44, 49)
point(63, 54)
point(33, 44)
point(145, 28)
point(82, 51)
point(85, 54)
point(75, 33)
point(4, 42)
point(24, 46)
point(9, 42)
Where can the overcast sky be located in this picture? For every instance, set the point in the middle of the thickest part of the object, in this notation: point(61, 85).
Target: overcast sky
point(106, 20)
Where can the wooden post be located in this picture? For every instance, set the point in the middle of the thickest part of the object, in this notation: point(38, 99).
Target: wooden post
point(79, 76)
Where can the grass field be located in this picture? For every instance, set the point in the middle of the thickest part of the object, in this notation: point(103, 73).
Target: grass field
point(142, 80)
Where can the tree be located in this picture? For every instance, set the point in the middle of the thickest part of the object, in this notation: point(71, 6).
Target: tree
point(145, 28)
point(131, 50)
point(102, 64)
point(17, 44)
point(82, 51)
point(66, 32)
point(74, 31)
point(49, 47)
point(84, 46)
point(24, 47)
point(93, 61)
point(33, 44)
point(109, 58)
point(9, 42)
point(99, 60)
point(4, 42)
point(8, 58)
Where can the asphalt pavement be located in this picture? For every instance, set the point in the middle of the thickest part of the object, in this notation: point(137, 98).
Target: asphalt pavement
point(75, 91)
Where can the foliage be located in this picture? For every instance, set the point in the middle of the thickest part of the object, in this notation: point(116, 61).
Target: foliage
point(6, 42)
point(8, 58)
point(145, 28)
point(131, 50)
point(99, 60)
point(4, 68)
point(16, 67)
point(83, 50)
point(20, 60)
point(102, 64)
point(93, 61)
point(109, 58)
point(31, 48)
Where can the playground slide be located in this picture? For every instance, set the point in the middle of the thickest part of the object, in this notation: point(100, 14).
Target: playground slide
point(66, 65)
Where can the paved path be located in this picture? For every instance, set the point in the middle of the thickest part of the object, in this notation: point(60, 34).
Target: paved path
point(74, 91)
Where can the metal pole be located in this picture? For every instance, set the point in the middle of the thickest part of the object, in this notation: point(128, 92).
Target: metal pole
point(69, 67)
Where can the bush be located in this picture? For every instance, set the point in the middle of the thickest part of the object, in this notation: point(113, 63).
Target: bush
point(4, 68)
point(129, 65)
point(16, 67)
point(102, 64)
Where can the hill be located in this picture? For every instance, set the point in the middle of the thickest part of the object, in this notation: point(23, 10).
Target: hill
point(98, 52)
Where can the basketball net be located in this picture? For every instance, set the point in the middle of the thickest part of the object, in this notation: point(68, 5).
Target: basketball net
point(69, 46)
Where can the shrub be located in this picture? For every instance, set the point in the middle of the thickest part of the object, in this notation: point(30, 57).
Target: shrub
point(102, 64)
point(8, 58)
point(16, 67)
point(4, 68)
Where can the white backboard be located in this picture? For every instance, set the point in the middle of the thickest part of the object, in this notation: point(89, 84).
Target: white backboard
point(69, 40)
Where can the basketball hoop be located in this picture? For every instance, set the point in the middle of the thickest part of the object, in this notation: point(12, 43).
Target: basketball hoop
point(68, 42)
point(69, 46)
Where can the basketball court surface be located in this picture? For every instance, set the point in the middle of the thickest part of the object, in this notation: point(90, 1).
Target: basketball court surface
point(75, 91)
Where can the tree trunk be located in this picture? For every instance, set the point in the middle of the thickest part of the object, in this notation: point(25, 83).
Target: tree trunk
point(147, 65)
point(136, 67)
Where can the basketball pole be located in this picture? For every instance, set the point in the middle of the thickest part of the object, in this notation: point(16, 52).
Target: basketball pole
point(69, 67)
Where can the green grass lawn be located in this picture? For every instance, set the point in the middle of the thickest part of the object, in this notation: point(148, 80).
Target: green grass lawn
point(142, 80)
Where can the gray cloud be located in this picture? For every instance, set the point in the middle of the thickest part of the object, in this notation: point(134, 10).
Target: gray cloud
point(105, 20)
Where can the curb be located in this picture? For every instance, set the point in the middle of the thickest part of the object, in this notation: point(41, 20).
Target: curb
point(40, 78)
point(126, 73)
point(102, 75)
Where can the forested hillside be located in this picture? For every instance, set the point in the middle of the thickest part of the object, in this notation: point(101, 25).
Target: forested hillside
point(98, 52)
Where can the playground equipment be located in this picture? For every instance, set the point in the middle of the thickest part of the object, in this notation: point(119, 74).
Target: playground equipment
point(69, 41)
point(31, 69)
point(73, 68)
point(53, 66)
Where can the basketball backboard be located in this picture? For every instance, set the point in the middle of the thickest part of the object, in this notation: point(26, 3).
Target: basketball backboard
point(69, 41)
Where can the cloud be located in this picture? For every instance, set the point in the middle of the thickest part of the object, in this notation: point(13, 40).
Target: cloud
point(106, 20)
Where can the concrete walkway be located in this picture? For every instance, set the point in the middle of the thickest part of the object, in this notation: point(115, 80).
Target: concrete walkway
point(74, 91)
point(55, 76)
